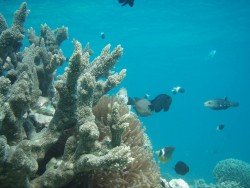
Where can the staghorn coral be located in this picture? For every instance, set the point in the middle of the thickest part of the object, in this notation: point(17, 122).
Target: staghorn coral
point(45, 50)
point(48, 56)
point(232, 170)
point(76, 141)
point(142, 172)
point(3, 24)
point(11, 38)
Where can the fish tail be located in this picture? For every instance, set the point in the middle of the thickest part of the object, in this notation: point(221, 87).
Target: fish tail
point(131, 101)
point(234, 104)
point(124, 3)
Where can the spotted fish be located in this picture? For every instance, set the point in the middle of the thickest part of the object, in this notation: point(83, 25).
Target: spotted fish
point(220, 104)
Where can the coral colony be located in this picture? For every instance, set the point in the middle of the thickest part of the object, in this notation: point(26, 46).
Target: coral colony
point(65, 131)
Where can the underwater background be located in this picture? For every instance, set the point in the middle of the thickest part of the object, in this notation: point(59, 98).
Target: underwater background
point(169, 43)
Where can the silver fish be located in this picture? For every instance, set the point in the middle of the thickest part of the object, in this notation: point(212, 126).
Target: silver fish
point(141, 106)
point(220, 104)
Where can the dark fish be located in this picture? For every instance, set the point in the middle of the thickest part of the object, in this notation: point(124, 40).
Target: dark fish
point(102, 35)
point(181, 168)
point(160, 102)
point(220, 104)
point(220, 127)
point(141, 106)
point(129, 2)
point(165, 154)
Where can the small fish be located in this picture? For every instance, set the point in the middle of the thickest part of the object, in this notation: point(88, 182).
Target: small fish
point(160, 102)
point(129, 2)
point(102, 34)
point(210, 56)
point(141, 106)
point(177, 89)
point(220, 104)
point(220, 127)
point(212, 53)
point(181, 168)
point(165, 154)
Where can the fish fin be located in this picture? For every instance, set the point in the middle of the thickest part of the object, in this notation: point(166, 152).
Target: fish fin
point(182, 90)
point(131, 3)
point(151, 107)
point(146, 96)
point(163, 160)
point(137, 98)
point(166, 108)
point(131, 101)
point(158, 109)
point(125, 2)
point(174, 91)
point(157, 153)
point(234, 104)
point(225, 98)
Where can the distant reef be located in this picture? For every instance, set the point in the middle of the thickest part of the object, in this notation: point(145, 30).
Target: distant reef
point(66, 131)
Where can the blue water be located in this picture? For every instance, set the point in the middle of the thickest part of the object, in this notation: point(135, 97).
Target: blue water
point(167, 43)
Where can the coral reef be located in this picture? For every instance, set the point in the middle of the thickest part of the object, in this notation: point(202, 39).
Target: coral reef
point(234, 171)
point(65, 132)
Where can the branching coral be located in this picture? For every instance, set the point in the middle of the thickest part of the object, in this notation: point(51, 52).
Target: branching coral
point(48, 56)
point(106, 150)
point(11, 38)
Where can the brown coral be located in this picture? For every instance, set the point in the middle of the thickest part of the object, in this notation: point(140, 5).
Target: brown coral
point(142, 172)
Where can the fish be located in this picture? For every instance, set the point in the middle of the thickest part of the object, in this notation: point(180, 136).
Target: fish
point(181, 168)
point(165, 154)
point(212, 53)
point(129, 2)
point(220, 127)
point(141, 106)
point(177, 89)
point(102, 34)
point(160, 102)
point(220, 104)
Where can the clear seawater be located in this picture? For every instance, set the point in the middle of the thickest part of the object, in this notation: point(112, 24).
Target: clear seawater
point(167, 43)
